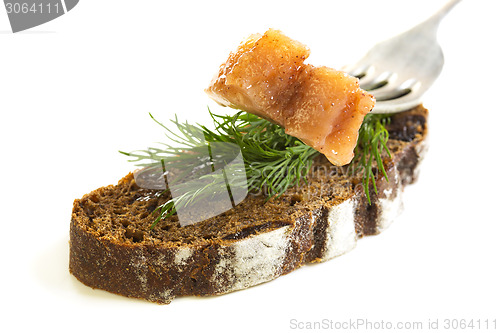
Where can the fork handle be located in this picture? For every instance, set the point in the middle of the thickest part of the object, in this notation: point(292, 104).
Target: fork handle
point(432, 23)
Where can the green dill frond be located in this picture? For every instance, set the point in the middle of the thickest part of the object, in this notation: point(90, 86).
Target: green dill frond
point(274, 161)
point(372, 141)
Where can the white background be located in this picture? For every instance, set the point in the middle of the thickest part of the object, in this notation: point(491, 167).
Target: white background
point(78, 89)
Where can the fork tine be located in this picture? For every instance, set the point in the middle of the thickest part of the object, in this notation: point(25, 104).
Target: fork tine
point(401, 99)
point(396, 87)
point(400, 95)
point(370, 77)
point(377, 80)
point(359, 70)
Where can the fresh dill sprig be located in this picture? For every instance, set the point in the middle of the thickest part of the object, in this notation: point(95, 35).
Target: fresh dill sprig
point(274, 161)
point(372, 141)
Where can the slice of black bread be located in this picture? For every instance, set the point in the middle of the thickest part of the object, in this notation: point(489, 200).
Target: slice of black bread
point(112, 246)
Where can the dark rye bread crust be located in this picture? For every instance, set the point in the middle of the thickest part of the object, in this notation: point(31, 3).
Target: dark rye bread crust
point(113, 248)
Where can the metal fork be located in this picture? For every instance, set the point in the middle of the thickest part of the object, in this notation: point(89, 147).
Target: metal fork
point(399, 70)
